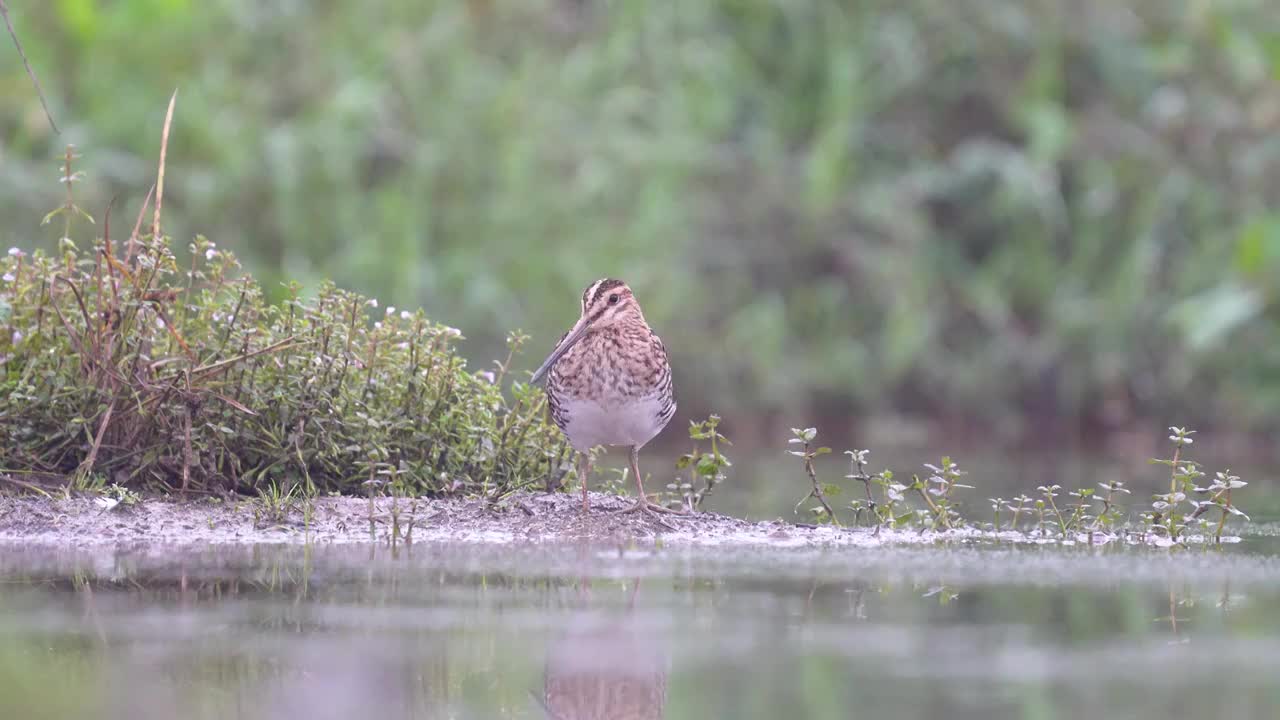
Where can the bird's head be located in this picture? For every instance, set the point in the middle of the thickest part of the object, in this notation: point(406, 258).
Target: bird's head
point(605, 303)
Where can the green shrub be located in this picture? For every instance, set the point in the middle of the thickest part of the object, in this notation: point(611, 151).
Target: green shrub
point(123, 362)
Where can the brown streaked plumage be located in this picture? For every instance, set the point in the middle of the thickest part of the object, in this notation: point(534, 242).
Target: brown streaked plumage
point(609, 381)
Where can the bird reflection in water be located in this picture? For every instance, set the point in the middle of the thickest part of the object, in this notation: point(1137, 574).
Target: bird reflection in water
point(604, 668)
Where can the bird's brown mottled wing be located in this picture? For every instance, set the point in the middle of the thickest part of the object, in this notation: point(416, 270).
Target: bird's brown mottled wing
point(665, 388)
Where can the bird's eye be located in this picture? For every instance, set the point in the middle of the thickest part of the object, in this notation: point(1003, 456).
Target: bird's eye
point(613, 299)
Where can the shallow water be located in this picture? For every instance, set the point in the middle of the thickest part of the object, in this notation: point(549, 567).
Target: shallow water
point(574, 631)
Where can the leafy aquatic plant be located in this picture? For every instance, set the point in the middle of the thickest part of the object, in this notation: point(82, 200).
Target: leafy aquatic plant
point(1220, 498)
point(1167, 513)
point(819, 491)
point(1091, 514)
point(706, 468)
point(936, 491)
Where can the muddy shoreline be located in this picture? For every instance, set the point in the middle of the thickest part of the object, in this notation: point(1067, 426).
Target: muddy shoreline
point(523, 518)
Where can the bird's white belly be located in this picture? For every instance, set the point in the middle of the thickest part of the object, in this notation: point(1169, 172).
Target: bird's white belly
point(591, 423)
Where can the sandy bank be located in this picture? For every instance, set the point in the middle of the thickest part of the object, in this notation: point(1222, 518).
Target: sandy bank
point(521, 519)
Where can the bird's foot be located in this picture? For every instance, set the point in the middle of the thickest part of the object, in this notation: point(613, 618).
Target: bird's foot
point(644, 505)
point(651, 510)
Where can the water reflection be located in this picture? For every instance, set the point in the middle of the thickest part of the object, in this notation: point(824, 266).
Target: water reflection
point(587, 632)
point(605, 668)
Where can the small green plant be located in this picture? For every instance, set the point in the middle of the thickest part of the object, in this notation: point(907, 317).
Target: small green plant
point(807, 453)
point(936, 491)
point(85, 483)
point(276, 502)
point(706, 469)
point(123, 495)
point(1109, 517)
point(1219, 493)
point(1080, 509)
point(616, 479)
point(1016, 510)
point(1047, 495)
point(997, 504)
point(1039, 506)
point(1167, 515)
point(893, 509)
point(867, 504)
point(1095, 514)
point(113, 497)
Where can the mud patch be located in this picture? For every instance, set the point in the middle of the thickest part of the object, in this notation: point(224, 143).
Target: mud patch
point(524, 518)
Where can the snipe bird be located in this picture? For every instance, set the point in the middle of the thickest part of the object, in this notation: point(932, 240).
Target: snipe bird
point(608, 382)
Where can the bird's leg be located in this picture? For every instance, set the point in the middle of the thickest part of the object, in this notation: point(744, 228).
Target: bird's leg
point(642, 503)
point(584, 472)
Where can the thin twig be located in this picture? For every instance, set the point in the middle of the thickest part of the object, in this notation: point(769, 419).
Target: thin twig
point(817, 487)
point(87, 466)
point(933, 508)
point(173, 332)
point(24, 484)
point(223, 364)
point(186, 449)
point(75, 341)
point(4, 12)
point(137, 226)
point(108, 253)
point(164, 147)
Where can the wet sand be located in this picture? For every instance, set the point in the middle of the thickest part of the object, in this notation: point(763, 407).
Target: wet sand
point(522, 518)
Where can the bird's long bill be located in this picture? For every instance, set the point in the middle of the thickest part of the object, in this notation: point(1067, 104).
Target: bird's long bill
point(574, 336)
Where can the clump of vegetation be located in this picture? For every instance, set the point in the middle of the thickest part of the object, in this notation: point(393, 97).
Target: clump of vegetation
point(130, 364)
point(1167, 516)
point(818, 491)
point(706, 468)
point(1090, 514)
point(936, 492)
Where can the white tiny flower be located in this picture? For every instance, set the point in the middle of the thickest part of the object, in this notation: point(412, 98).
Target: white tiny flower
point(8, 277)
point(17, 337)
point(488, 375)
point(377, 326)
point(15, 252)
point(391, 309)
point(373, 302)
point(402, 346)
point(452, 332)
point(210, 254)
point(404, 315)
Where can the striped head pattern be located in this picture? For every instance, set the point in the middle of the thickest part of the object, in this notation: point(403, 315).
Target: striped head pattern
point(606, 302)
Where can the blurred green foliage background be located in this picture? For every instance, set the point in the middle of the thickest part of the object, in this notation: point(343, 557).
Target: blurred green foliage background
point(1013, 211)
